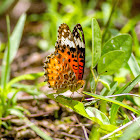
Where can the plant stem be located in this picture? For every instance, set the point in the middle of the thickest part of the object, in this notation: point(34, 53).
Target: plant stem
point(96, 82)
point(93, 74)
point(109, 19)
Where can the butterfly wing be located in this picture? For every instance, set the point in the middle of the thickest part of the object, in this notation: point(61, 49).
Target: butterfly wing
point(64, 69)
point(66, 46)
point(80, 45)
point(58, 73)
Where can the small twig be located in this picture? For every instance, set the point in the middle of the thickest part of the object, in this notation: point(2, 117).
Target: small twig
point(135, 118)
point(72, 136)
point(22, 127)
point(77, 125)
point(120, 128)
point(8, 118)
point(29, 116)
point(123, 94)
point(38, 114)
point(83, 127)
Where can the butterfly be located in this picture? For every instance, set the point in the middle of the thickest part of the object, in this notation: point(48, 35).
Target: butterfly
point(64, 68)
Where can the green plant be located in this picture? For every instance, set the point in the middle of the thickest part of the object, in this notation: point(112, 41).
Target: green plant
point(8, 105)
point(109, 58)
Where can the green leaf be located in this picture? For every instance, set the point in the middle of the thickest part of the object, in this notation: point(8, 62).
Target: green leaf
point(96, 42)
point(113, 101)
point(79, 108)
point(105, 83)
point(6, 61)
point(16, 112)
point(37, 129)
point(94, 112)
point(104, 92)
point(120, 42)
point(5, 5)
point(12, 48)
point(31, 76)
point(110, 62)
point(94, 134)
point(20, 108)
point(137, 100)
point(125, 89)
point(32, 90)
point(113, 87)
point(16, 36)
point(134, 65)
point(136, 48)
point(132, 132)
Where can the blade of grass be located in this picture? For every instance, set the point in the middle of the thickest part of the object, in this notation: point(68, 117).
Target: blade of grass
point(136, 47)
point(134, 65)
point(5, 5)
point(133, 131)
point(126, 89)
point(130, 24)
point(6, 66)
point(16, 36)
point(120, 128)
point(109, 20)
point(37, 129)
point(13, 47)
point(104, 92)
point(32, 90)
point(113, 87)
point(113, 101)
point(32, 76)
point(79, 108)
point(6, 62)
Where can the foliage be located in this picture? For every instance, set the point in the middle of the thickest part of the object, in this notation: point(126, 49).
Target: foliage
point(115, 54)
point(8, 105)
point(109, 55)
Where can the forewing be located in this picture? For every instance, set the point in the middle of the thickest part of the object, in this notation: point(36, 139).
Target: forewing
point(66, 46)
point(80, 45)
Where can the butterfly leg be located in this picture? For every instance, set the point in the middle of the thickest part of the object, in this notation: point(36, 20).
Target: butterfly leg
point(71, 96)
point(82, 98)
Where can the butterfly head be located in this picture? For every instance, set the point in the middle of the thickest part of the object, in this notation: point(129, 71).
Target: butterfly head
point(77, 85)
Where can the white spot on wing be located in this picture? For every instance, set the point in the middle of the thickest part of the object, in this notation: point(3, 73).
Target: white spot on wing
point(65, 30)
point(79, 42)
point(66, 41)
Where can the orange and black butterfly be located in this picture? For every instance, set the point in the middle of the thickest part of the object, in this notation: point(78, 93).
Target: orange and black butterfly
point(64, 68)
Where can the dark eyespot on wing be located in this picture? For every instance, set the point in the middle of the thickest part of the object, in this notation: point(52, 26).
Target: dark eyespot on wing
point(68, 53)
point(82, 61)
point(72, 55)
point(75, 60)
